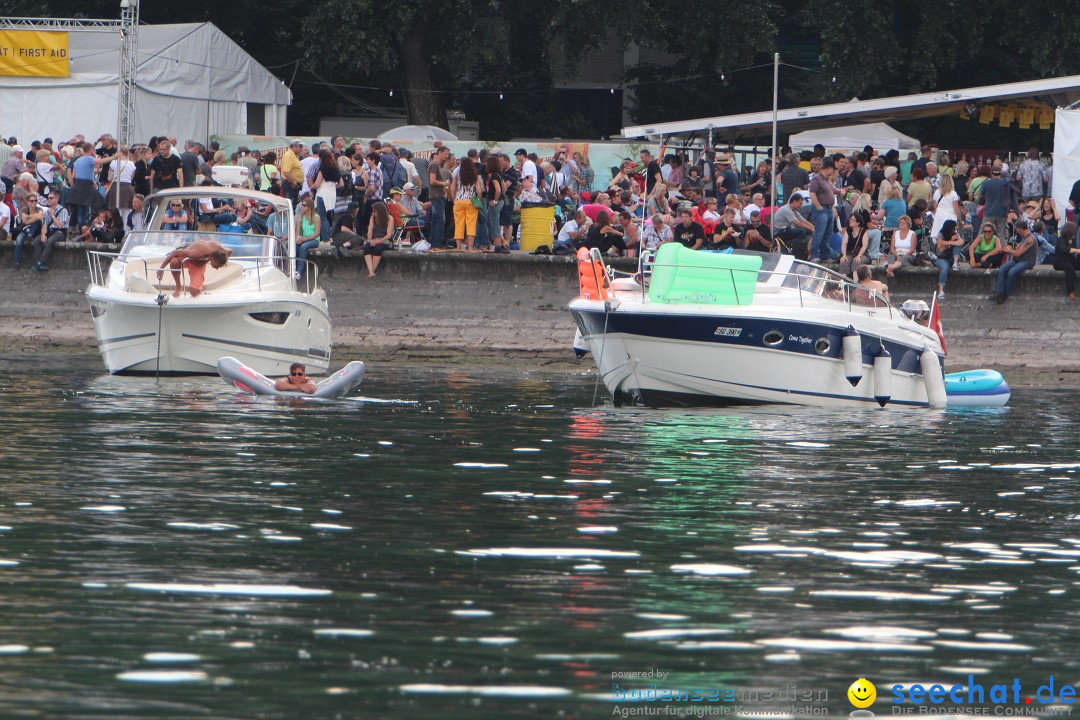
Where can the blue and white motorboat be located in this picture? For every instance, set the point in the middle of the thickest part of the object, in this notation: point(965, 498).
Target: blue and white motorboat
point(699, 328)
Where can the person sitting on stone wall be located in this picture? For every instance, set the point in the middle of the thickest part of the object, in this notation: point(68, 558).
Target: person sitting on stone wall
point(1067, 257)
point(1021, 258)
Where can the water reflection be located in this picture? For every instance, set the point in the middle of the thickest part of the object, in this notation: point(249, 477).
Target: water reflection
point(489, 544)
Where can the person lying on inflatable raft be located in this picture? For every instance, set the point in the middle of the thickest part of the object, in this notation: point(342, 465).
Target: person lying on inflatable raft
point(296, 381)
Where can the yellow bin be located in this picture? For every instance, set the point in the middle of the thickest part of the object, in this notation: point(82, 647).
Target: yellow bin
point(537, 227)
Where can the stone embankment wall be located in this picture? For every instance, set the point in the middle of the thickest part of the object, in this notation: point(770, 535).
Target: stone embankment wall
point(510, 310)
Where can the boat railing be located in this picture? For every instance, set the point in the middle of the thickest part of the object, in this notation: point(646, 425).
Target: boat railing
point(100, 262)
point(823, 284)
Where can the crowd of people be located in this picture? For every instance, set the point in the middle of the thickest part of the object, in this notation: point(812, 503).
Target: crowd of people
point(860, 210)
point(81, 190)
point(868, 209)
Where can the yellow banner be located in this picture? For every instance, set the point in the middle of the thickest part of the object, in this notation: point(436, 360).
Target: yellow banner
point(31, 52)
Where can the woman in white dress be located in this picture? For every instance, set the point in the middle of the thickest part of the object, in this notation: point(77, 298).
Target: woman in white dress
point(947, 206)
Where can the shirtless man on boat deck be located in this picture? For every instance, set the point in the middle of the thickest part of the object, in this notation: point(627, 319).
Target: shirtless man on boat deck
point(194, 258)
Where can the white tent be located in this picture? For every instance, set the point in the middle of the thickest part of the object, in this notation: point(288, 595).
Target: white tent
point(1066, 156)
point(192, 82)
point(854, 137)
point(417, 132)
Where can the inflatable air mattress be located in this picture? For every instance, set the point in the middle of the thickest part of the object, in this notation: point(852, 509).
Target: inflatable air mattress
point(236, 373)
point(976, 388)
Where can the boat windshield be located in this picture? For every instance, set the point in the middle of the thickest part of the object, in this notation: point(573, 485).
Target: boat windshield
point(154, 243)
point(786, 271)
point(175, 221)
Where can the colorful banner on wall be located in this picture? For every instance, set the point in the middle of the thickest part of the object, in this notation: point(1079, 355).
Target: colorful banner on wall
point(34, 53)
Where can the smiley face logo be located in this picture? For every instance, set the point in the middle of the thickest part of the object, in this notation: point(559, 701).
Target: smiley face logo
point(862, 693)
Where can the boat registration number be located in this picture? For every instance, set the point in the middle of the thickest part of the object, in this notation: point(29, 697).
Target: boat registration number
point(728, 332)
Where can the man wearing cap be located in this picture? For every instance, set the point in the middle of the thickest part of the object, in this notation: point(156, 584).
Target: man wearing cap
point(413, 210)
point(528, 167)
point(14, 166)
point(997, 196)
point(1020, 259)
point(410, 203)
point(292, 175)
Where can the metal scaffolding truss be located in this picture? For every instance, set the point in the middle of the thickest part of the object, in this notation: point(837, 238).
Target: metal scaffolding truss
point(65, 24)
point(129, 63)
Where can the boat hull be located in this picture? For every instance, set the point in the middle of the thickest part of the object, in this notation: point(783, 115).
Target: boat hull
point(687, 359)
point(187, 336)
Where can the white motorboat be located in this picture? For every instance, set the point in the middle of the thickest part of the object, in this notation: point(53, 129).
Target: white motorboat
point(702, 328)
point(253, 308)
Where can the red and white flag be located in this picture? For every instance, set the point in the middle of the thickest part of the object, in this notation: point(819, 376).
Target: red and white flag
point(935, 324)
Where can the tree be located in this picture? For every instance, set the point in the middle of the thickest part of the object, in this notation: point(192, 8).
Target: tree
point(709, 75)
point(404, 45)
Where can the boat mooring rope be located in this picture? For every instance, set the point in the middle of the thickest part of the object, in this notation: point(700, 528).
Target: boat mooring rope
point(161, 300)
point(600, 363)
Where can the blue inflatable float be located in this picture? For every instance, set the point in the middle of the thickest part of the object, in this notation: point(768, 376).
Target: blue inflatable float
point(976, 388)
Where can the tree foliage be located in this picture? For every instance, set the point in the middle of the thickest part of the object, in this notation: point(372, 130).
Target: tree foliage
point(461, 54)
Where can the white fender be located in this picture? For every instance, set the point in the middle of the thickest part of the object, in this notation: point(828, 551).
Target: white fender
point(852, 355)
point(932, 378)
point(882, 376)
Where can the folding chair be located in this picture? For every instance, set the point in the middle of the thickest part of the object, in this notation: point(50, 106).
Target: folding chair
point(409, 225)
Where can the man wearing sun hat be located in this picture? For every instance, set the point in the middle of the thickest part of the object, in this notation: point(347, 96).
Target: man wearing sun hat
point(727, 180)
point(393, 205)
point(292, 174)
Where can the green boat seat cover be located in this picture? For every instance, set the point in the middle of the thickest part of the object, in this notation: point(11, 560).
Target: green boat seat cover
point(681, 275)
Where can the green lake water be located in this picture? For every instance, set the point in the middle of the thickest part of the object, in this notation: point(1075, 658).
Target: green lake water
point(490, 544)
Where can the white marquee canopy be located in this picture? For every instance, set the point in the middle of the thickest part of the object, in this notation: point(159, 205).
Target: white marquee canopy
point(880, 136)
point(193, 82)
point(1056, 91)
